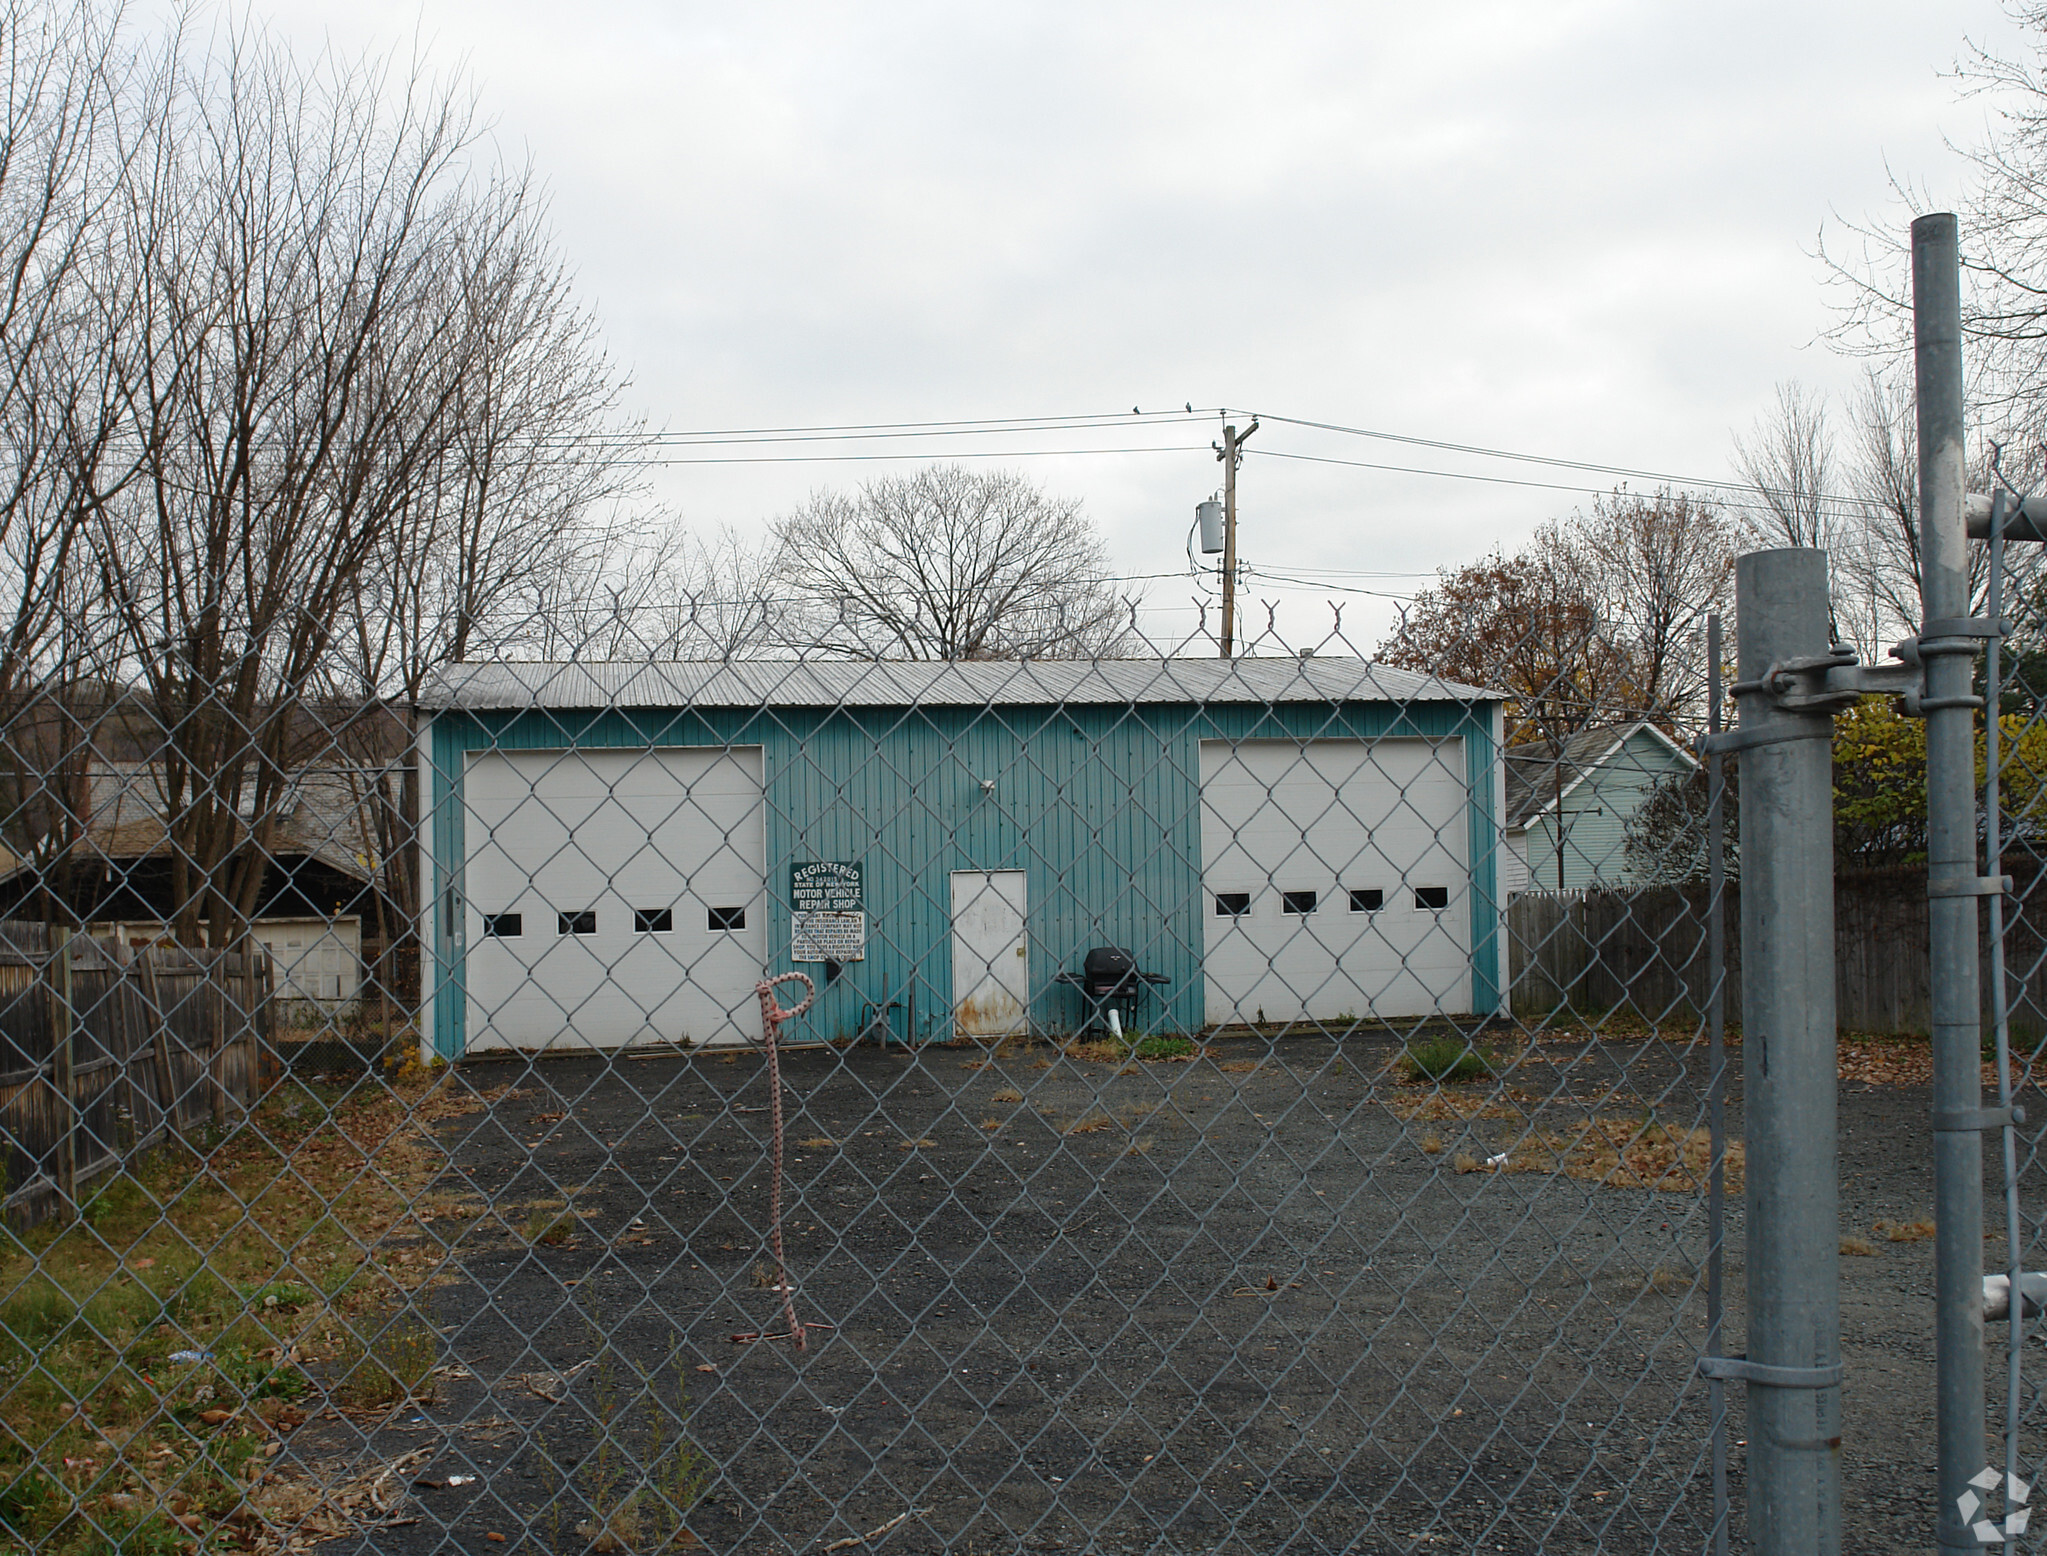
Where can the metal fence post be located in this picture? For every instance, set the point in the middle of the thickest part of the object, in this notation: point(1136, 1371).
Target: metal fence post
point(1787, 976)
point(1951, 870)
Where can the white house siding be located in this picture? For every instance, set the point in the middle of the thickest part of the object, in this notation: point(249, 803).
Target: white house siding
point(315, 963)
point(1514, 861)
point(1333, 816)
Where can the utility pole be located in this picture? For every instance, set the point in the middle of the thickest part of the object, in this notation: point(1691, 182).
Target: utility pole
point(1231, 454)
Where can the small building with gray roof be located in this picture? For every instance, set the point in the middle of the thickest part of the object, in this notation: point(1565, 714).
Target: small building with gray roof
point(616, 852)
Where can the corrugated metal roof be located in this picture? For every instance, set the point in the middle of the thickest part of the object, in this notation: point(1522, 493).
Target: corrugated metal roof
point(833, 683)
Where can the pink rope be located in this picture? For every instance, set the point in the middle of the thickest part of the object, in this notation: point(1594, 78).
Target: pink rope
point(772, 1017)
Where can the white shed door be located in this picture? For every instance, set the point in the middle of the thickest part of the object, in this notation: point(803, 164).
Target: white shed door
point(1322, 864)
point(991, 973)
point(614, 897)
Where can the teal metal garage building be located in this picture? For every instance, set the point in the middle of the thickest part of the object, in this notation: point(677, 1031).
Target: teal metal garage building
point(616, 851)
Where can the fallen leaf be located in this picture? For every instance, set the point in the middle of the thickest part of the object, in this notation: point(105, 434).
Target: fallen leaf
point(216, 1417)
point(495, 1536)
point(707, 1367)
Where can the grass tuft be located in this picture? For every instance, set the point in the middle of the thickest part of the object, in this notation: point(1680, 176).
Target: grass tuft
point(389, 1367)
point(549, 1226)
point(1443, 1059)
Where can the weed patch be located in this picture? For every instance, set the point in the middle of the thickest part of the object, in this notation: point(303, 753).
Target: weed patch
point(153, 1346)
point(1442, 1059)
point(636, 1485)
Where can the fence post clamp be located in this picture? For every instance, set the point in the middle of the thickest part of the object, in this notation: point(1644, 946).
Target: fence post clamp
point(1967, 1121)
point(1728, 741)
point(1739, 1369)
point(1968, 886)
point(1829, 682)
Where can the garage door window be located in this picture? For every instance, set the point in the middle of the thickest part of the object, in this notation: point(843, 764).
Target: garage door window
point(504, 926)
point(1232, 904)
point(1297, 902)
point(653, 921)
point(728, 918)
point(583, 923)
point(1369, 901)
point(1429, 898)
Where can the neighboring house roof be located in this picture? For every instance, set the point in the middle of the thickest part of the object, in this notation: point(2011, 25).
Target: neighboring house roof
point(1532, 767)
point(320, 816)
point(835, 683)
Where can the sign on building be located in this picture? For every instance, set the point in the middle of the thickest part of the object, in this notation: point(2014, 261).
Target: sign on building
point(827, 912)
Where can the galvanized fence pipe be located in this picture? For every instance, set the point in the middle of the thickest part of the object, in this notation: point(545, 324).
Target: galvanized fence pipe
point(1793, 1367)
point(2000, 1007)
point(1952, 875)
point(1716, 1086)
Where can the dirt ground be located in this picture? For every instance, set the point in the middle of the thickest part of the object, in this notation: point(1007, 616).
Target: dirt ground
point(1268, 1298)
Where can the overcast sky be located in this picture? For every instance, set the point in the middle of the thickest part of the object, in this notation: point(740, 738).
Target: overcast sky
point(1570, 229)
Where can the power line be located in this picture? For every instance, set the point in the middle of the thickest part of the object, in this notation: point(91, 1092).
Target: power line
point(1556, 461)
point(995, 426)
point(851, 431)
point(990, 453)
point(1287, 581)
point(1508, 480)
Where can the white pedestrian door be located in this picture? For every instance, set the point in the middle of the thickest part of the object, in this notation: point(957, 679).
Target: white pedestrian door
point(991, 972)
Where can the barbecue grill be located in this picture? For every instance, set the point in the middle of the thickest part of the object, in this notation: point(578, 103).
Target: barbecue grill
point(1109, 980)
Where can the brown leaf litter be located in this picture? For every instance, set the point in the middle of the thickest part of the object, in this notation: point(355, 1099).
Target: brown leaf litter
point(1621, 1153)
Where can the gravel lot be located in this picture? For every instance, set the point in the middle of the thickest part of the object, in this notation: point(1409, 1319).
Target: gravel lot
point(1252, 1302)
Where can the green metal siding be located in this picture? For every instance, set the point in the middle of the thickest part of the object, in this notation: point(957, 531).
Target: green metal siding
point(1098, 805)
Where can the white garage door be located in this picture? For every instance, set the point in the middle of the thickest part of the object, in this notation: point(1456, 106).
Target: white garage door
point(1336, 878)
point(614, 897)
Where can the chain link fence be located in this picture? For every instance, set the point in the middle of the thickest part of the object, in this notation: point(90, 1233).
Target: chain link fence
point(2013, 757)
point(1194, 1143)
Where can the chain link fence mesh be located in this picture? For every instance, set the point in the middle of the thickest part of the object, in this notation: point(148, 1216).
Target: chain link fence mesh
point(2013, 759)
point(1248, 1105)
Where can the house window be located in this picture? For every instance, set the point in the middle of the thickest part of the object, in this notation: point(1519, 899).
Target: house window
point(1232, 904)
point(1369, 901)
point(653, 921)
point(583, 923)
point(503, 926)
point(728, 918)
point(1428, 898)
point(1297, 902)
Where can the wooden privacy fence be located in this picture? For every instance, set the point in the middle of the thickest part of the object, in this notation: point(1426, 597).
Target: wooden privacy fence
point(1645, 952)
point(104, 1049)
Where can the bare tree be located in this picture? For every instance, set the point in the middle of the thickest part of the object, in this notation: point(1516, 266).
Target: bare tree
point(2003, 238)
point(514, 507)
point(1788, 459)
point(1657, 565)
point(65, 71)
point(949, 563)
point(291, 371)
